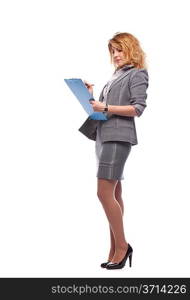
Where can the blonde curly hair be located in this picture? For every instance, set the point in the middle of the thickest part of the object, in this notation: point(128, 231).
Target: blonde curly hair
point(130, 45)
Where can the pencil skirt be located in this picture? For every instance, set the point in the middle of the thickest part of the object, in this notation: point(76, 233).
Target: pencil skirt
point(111, 158)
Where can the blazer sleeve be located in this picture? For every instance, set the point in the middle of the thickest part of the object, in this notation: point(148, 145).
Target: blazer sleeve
point(138, 90)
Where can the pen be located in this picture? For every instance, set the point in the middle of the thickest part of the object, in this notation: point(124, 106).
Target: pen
point(88, 84)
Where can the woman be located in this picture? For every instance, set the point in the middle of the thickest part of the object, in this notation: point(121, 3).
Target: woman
point(122, 99)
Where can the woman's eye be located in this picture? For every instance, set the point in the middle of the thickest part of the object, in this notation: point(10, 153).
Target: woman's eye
point(118, 50)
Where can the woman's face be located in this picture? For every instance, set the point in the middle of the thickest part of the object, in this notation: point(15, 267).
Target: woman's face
point(119, 58)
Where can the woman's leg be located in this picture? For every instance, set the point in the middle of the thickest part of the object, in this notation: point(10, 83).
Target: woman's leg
point(106, 194)
point(118, 197)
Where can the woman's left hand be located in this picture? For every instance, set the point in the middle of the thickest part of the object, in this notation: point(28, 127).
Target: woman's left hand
point(97, 105)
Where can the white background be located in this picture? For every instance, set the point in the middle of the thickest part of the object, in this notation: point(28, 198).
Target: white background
point(52, 223)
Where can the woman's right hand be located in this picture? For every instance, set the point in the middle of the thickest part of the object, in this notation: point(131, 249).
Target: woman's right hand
point(89, 86)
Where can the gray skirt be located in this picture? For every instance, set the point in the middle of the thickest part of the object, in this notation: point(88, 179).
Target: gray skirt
point(111, 157)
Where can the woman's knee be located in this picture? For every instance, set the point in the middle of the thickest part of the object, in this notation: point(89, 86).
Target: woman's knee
point(118, 190)
point(105, 188)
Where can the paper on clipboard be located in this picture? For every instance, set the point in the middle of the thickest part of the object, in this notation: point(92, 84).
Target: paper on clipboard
point(80, 91)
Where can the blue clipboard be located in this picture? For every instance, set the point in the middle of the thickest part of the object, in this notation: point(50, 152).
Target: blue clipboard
point(80, 91)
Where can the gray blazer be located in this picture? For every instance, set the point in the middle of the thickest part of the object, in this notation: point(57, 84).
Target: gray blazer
point(128, 89)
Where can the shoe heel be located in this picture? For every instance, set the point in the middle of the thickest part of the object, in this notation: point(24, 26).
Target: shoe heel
point(130, 260)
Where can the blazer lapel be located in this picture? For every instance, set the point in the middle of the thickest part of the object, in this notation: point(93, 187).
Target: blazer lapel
point(120, 77)
point(129, 68)
point(101, 94)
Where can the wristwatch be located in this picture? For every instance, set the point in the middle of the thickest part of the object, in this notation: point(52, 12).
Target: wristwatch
point(106, 107)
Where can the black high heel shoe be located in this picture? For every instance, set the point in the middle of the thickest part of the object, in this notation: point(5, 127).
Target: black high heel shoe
point(121, 264)
point(103, 265)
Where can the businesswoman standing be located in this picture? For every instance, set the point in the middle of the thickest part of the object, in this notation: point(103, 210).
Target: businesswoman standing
point(122, 99)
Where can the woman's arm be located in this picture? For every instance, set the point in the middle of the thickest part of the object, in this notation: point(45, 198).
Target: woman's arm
point(138, 90)
point(122, 110)
point(138, 95)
